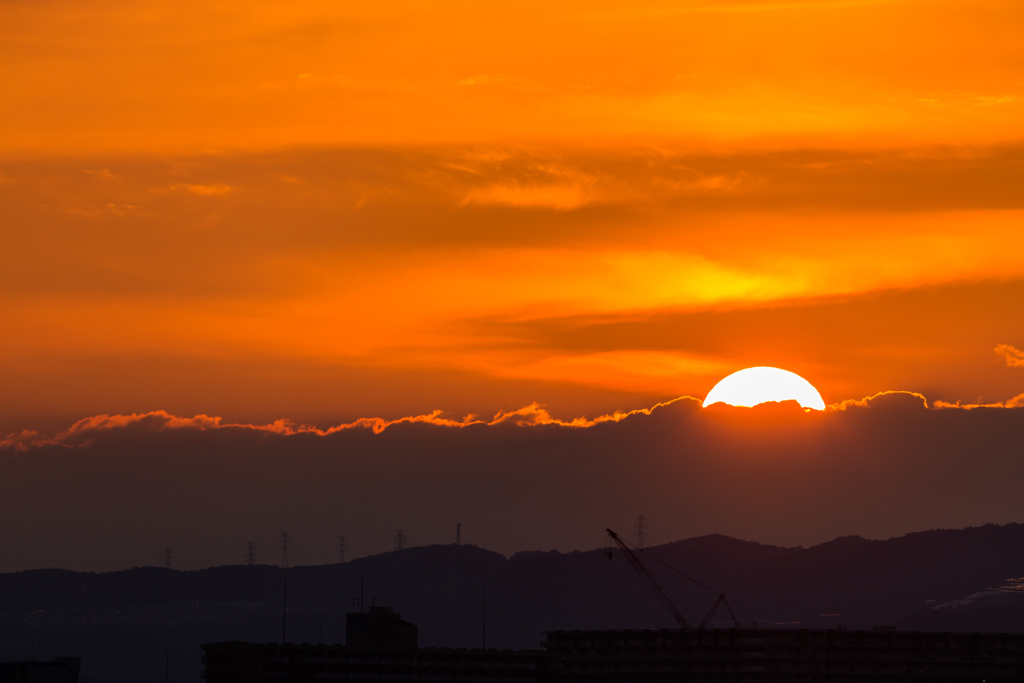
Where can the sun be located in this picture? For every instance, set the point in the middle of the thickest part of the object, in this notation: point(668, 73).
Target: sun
point(759, 385)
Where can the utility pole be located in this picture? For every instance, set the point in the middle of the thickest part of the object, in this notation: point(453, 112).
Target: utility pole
point(400, 539)
point(284, 550)
point(341, 550)
point(168, 557)
point(251, 559)
point(458, 534)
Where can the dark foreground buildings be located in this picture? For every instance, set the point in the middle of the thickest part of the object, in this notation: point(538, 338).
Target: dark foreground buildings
point(743, 655)
point(382, 647)
point(59, 670)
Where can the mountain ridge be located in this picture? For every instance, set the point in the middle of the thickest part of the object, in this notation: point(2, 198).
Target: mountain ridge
point(124, 623)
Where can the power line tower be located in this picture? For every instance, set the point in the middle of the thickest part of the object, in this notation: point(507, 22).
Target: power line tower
point(284, 550)
point(640, 529)
point(169, 557)
point(458, 534)
point(341, 550)
point(251, 554)
point(400, 539)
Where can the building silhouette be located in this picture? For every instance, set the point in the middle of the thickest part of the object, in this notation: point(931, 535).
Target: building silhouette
point(383, 647)
point(784, 655)
point(380, 629)
point(380, 646)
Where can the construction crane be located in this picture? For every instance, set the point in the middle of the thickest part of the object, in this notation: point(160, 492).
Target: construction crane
point(664, 598)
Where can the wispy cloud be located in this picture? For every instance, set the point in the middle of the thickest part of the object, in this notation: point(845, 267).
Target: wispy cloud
point(103, 173)
point(1015, 402)
point(485, 79)
point(560, 197)
point(209, 190)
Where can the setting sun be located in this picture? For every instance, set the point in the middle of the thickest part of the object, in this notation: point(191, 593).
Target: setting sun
point(753, 386)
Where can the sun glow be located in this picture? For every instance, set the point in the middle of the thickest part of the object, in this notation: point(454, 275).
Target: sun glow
point(752, 386)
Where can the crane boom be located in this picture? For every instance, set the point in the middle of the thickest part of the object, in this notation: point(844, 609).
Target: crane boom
point(711, 612)
point(667, 602)
point(650, 581)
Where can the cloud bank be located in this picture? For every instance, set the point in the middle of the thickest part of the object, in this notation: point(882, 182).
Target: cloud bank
point(85, 431)
point(522, 480)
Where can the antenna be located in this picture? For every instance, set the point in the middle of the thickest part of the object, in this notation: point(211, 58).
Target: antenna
point(458, 534)
point(640, 529)
point(284, 550)
point(341, 550)
point(400, 539)
point(169, 557)
point(252, 554)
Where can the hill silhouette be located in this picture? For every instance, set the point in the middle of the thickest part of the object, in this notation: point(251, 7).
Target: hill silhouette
point(125, 623)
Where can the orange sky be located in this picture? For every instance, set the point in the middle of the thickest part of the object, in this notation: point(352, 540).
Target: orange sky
point(326, 211)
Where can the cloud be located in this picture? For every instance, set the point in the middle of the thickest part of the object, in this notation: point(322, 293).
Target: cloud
point(952, 98)
point(84, 432)
point(103, 173)
point(910, 400)
point(890, 400)
point(1015, 402)
point(485, 79)
point(120, 209)
point(639, 250)
point(562, 197)
point(1014, 357)
point(634, 370)
point(211, 190)
point(520, 480)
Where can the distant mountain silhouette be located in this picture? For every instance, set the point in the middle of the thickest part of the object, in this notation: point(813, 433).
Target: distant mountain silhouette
point(124, 623)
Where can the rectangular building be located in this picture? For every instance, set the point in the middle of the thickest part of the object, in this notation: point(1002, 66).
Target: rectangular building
point(761, 655)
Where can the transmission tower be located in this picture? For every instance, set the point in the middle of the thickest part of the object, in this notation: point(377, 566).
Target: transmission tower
point(284, 549)
point(458, 534)
point(640, 529)
point(341, 550)
point(252, 553)
point(169, 557)
point(400, 539)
